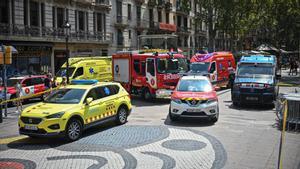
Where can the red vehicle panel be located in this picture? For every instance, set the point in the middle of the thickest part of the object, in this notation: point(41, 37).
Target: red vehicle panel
point(151, 74)
point(221, 67)
point(30, 85)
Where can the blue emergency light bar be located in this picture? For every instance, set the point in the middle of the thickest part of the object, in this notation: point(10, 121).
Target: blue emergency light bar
point(83, 82)
point(258, 59)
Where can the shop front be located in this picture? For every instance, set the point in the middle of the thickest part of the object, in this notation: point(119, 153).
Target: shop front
point(33, 58)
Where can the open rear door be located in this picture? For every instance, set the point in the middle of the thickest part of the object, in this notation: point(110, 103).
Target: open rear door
point(121, 68)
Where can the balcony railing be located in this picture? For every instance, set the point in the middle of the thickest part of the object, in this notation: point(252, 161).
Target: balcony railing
point(50, 34)
point(168, 6)
point(122, 21)
point(142, 24)
point(102, 3)
point(140, 1)
point(183, 29)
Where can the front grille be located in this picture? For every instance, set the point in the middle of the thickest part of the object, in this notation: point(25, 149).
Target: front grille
point(31, 120)
point(39, 131)
point(185, 113)
point(194, 102)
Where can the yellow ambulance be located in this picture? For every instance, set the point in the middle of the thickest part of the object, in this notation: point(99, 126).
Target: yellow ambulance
point(97, 68)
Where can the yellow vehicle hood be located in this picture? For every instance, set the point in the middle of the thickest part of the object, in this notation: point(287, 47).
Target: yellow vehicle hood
point(45, 109)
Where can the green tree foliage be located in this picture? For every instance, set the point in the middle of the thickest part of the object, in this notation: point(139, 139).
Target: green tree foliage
point(271, 21)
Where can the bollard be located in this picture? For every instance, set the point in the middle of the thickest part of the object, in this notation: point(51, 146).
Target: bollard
point(1, 116)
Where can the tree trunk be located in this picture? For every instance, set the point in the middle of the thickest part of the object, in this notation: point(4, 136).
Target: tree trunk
point(211, 31)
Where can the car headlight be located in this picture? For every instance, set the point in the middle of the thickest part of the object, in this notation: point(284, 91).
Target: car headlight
point(56, 115)
point(178, 101)
point(210, 101)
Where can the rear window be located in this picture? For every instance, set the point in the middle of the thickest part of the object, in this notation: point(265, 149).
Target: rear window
point(194, 86)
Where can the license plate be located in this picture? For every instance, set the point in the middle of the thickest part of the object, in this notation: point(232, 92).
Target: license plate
point(30, 127)
point(194, 110)
point(251, 98)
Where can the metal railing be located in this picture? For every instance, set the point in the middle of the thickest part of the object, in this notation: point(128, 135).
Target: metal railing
point(183, 29)
point(51, 34)
point(122, 20)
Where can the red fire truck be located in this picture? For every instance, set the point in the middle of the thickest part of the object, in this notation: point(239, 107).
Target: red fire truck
point(149, 73)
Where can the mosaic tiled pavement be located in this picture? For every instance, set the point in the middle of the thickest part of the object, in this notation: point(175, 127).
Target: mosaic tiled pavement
point(127, 147)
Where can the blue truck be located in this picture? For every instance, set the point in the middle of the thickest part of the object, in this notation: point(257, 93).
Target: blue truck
point(255, 80)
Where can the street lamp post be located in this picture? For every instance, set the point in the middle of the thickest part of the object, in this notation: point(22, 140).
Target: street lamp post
point(67, 27)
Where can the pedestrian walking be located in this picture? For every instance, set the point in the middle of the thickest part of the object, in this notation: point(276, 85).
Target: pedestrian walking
point(292, 66)
point(54, 82)
point(63, 82)
point(47, 82)
point(19, 94)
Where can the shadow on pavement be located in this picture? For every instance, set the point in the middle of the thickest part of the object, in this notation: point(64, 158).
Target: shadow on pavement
point(249, 107)
point(29, 143)
point(189, 122)
point(139, 102)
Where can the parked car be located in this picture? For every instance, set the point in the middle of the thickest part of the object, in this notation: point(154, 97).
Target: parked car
point(194, 96)
point(71, 109)
point(30, 85)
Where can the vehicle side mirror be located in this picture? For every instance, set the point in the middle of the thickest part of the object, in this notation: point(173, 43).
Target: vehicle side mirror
point(278, 76)
point(89, 100)
point(216, 88)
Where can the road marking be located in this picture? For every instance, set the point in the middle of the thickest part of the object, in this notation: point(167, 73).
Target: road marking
point(11, 139)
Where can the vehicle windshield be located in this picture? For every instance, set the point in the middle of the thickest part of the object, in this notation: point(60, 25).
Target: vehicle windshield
point(199, 67)
point(13, 82)
point(250, 70)
point(65, 96)
point(63, 72)
point(194, 86)
point(178, 65)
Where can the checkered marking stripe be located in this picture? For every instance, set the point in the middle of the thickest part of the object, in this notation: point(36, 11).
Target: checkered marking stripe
point(193, 98)
point(110, 111)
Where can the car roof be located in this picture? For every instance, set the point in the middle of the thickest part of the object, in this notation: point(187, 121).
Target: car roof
point(98, 84)
point(24, 77)
point(196, 77)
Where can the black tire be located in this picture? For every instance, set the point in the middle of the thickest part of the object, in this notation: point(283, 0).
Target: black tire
point(215, 118)
point(172, 117)
point(122, 115)
point(147, 95)
point(236, 104)
point(73, 130)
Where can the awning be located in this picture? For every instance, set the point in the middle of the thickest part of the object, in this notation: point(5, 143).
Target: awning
point(14, 50)
point(168, 27)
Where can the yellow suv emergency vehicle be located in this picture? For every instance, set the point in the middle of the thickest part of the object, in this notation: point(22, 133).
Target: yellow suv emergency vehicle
point(70, 110)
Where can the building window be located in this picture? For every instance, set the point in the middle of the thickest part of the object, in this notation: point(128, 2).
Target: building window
point(119, 8)
point(43, 14)
point(120, 37)
point(34, 13)
point(129, 34)
point(4, 11)
point(60, 17)
point(81, 20)
point(129, 11)
point(53, 17)
point(167, 17)
point(159, 16)
point(100, 22)
point(138, 13)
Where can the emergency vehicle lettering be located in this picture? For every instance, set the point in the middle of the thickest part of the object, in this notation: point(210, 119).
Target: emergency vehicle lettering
point(171, 76)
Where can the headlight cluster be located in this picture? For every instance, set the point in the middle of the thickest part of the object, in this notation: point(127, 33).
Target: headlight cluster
point(56, 115)
point(210, 101)
point(178, 101)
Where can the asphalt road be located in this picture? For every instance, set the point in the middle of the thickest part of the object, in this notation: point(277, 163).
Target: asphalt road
point(245, 137)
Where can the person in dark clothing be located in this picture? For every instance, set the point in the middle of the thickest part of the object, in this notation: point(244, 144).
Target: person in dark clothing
point(47, 82)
